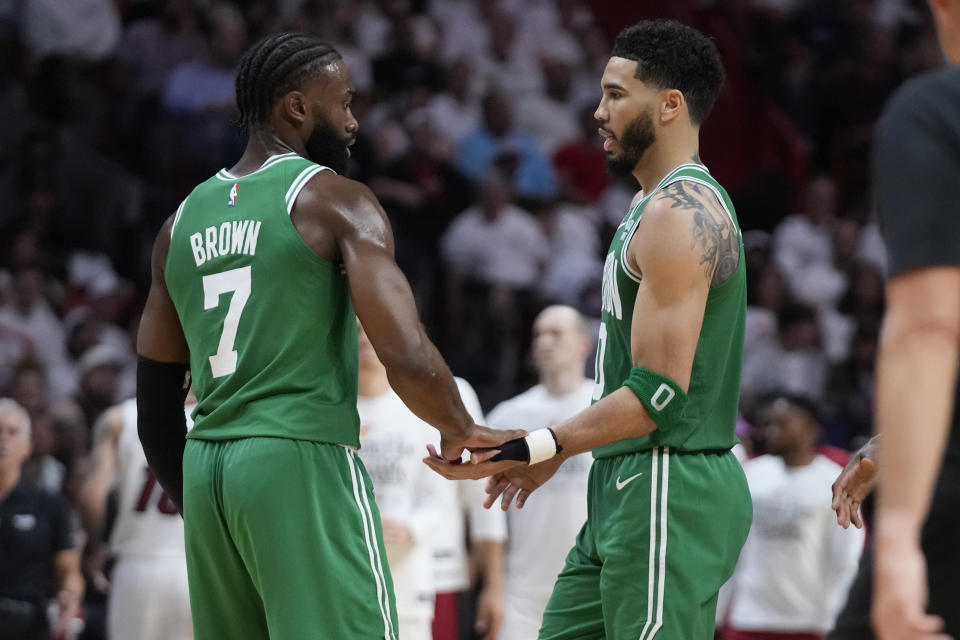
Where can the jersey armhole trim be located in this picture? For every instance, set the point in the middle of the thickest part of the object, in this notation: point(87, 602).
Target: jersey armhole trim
point(176, 217)
point(627, 269)
point(299, 183)
point(667, 179)
point(716, 192)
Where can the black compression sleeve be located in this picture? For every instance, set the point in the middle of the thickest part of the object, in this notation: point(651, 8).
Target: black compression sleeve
point(161, 422)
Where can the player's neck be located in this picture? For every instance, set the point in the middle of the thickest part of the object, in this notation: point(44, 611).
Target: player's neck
point(8, 480)
point(261, 145)
point(662, 158)
point(373, 382)
point(560, 383)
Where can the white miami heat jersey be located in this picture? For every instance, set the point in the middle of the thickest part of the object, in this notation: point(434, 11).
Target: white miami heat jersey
point(147, 521)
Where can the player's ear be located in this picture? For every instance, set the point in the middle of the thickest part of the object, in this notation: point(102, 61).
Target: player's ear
point(295, 107)
point(671, 105)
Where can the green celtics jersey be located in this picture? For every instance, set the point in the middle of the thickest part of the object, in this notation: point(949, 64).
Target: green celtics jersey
point(270, 325)
point(709, 417)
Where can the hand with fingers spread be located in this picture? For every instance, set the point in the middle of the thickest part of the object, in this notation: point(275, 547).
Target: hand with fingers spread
point(854, 484)
point(520, 482)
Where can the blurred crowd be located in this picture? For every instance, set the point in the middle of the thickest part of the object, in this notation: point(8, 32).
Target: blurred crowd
point(477, 134)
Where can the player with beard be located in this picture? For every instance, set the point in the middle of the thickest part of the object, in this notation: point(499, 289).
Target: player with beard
point(668, 505)
point(257, 283)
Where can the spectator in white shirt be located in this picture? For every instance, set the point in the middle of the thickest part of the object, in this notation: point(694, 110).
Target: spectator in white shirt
point(796, 566)
point(495, 253)
point(496, 242)
point(795, 363)
point(803, 246)
point(29, 314)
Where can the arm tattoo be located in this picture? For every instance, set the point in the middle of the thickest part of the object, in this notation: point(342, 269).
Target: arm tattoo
point(713, 230)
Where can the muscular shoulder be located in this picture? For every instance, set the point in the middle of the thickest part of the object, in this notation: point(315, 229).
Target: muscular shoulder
point(687, 220)
point(341, 200)
point(333, 210)
point(333, 190)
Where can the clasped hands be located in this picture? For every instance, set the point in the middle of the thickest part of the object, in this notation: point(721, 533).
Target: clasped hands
point(509, 478)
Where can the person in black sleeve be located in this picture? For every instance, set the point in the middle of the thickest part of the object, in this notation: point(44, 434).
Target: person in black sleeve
point(38, 557)
point(917, 181)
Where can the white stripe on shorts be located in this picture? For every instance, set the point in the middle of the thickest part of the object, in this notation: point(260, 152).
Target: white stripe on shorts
point(386, 602)
point(381, 591)
point(657, 572)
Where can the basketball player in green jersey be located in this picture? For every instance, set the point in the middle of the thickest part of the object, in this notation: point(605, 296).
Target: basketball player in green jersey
point(255, 280)
point(668, 506)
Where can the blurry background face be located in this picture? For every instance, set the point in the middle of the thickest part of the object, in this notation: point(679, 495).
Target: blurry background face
point(497, 116)
point(30, 390)
point(786, 429)
point(14, 442)
point(558, 343)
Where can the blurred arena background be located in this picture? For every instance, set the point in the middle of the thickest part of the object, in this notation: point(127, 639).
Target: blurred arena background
point(476, 132)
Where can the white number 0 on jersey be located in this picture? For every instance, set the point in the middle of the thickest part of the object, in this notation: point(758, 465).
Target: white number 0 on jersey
point(224, 361)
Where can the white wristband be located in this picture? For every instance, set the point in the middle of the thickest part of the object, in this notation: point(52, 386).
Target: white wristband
point(542, 445)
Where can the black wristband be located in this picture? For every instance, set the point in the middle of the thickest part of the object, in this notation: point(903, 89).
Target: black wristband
point(513, 450)
point(555, 441)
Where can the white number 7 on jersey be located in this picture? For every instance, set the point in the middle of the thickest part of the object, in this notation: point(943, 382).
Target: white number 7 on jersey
point(224, 361)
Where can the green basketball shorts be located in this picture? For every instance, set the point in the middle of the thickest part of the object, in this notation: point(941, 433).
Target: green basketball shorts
point(663, 533)
point(284, 541)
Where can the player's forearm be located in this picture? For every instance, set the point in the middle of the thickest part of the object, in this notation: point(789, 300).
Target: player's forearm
point(916, 375)
point(93, 492)
point(92, 499)
point(68, 575)
point(618, 416)
point(422, 380)
point(491, 553)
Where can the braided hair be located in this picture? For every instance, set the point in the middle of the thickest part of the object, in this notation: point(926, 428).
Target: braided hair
point(274, 66)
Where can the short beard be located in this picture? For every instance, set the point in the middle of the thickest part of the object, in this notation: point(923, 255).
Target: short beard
point(637, 137)
point(327, 148)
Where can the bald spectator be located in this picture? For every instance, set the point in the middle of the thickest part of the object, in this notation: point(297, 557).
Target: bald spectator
point(39, 553)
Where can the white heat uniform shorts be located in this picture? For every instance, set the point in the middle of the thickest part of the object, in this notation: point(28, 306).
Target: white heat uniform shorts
point(149, 600)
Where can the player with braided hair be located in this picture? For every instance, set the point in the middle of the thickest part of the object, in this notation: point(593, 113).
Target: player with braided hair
point(257, 283)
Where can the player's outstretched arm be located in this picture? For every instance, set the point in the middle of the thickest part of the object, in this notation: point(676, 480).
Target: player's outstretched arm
point(162, 364)
point(385, 306)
